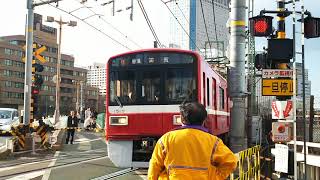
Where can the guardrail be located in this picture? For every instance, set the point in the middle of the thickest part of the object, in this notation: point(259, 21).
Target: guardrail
point(313, 159)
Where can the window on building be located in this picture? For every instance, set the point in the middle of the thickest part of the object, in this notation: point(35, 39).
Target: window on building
point(8, 62)
point(7, 72)
point(44, 87)
point(8, 84)
point(19, 85)
point(13, 42)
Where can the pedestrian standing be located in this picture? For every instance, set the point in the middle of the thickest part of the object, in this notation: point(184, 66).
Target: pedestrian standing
point(190, 151)
point(87, 114)
point(72, 124)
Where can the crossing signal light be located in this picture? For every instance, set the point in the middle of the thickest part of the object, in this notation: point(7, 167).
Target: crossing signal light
point(261, 26)
point(312, 27)
point(35, 91)
point(261, 61)
point(38, 67)
point(37, 80)
point(280, 50)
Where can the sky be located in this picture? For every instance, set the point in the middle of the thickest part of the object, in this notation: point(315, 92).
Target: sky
point(88, 45)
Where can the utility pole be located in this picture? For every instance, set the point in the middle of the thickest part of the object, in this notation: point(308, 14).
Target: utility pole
point(28, 64)
point(237, 90)
point(57, 110)
point(58, 79)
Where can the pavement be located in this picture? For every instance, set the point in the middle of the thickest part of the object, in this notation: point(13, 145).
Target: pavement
point(85, 159)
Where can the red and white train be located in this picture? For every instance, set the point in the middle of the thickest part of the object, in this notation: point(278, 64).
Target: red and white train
point(144, 91)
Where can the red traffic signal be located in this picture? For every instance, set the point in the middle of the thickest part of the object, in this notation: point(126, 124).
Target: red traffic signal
point(261, 26)
point(35, 91)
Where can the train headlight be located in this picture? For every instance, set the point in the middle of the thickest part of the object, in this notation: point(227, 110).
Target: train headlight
point(177, 120)
point(118, 120)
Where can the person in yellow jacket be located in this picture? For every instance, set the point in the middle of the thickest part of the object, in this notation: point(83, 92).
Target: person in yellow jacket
point(190, 151)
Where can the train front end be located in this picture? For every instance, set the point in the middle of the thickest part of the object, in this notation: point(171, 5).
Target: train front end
point(144, 91)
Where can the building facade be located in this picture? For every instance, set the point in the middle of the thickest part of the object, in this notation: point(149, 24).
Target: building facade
point(12, 71)
point(189, 14)
point(97, 77)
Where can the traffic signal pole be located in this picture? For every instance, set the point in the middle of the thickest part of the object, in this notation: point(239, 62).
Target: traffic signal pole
point(28, 64)
point(238, 139)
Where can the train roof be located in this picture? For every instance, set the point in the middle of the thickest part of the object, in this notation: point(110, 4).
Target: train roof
point(156, 50)
point(164, 50)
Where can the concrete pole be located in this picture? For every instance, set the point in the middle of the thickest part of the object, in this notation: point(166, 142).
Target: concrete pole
point(237, 88)
point(57, 111)
point(28, 64)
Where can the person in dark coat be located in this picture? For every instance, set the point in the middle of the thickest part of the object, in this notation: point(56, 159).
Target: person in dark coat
point(72, 123)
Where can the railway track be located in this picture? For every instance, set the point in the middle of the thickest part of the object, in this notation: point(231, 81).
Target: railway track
point(45, 159)
point(137, 171)
point(62, 165)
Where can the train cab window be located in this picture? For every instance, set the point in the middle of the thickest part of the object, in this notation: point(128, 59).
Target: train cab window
point(208, 92)
point(122, 87)
point(221, 98)
point(180, 85)
point(150, 89)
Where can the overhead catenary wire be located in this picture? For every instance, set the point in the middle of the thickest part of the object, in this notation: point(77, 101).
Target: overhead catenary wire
point(149, 22)
point(205, 26)
point(105, 21)
point(92, 26)
point(181, 25)
point(184, 16)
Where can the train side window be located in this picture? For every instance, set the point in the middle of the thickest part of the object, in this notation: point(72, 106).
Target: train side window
point(208, 92)
point(204, 88)
point(214, 94)
point(221, 93)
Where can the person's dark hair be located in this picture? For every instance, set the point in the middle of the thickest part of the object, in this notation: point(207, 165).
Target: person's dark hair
point(193, 113)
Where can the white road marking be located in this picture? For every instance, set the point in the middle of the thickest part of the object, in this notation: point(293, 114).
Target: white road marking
point(84, 140)
point(27, 176)
point(37, 173)
point(48, 171)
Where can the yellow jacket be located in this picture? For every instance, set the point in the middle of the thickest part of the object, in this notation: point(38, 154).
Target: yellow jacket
point(191, 153)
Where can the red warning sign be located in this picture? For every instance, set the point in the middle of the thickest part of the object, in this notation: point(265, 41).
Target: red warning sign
point(282, 110)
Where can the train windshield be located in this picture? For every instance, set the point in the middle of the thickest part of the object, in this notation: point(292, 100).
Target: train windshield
point(152, 78)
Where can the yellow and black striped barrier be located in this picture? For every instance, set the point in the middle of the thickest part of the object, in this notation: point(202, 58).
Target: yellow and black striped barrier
point(42, 131)
point(20, 133)
point(248, 165)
